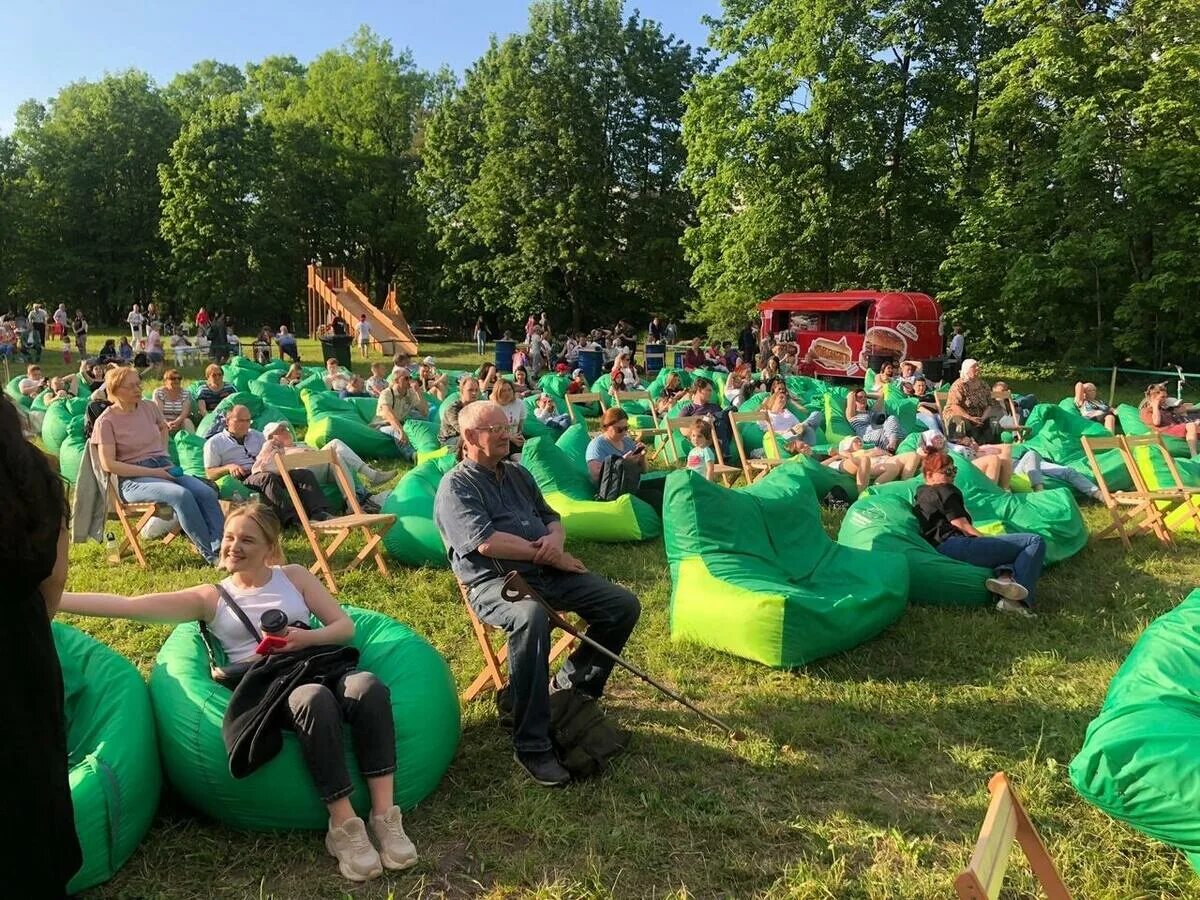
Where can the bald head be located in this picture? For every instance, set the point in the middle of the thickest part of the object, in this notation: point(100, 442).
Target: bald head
point(238, 421)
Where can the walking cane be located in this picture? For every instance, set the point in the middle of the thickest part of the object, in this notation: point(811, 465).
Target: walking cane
point(517, 588)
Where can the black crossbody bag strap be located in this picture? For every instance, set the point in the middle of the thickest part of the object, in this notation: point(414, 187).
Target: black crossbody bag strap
point(227, 675)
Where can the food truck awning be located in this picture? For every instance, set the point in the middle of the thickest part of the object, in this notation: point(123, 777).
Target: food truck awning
point(817, 302)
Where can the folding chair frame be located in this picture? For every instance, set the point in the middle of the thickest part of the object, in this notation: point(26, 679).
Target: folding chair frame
point(680, 424)
point(371, 525)
point(580, 399)
point(1004, 822)
point(753, 468)
point(491, 676)
point(1135, 511)
point(131, 531)
point(1178, 496)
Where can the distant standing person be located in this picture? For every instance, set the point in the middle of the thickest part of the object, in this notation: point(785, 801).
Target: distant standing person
point(37, 321)
point(671, 333)
point(79, 327)
point(655, 331)
point(748, 345)
point(202, 319)
point(958, 343)
point(481, 336)
point(60, 319)
point(33, 552)
point(136, 320)
point(363, 330)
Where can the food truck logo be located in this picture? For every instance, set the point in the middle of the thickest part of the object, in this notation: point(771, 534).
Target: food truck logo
point(832, 354)
point(909, 330)
point(887, 341)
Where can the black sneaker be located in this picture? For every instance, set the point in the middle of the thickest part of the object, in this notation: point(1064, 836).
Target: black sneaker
point(543, 767)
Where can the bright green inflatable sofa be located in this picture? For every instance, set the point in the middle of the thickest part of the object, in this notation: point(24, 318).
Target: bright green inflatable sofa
point(1131, 423)
point(561, 472)
point(189, 707)
point(329, 417)
point(754, 574)
point(1139, 761)
point(414, 539)
point(113, 757)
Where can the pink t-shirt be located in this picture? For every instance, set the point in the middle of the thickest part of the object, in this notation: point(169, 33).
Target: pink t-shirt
point(134, 435)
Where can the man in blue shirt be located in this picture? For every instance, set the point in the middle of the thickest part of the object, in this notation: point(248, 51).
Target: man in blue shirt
point(494, 520)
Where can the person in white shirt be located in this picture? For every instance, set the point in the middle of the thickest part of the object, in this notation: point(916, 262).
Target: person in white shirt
point(335, 378)
point(625, 365)
point(363, 328)
point(61, 318)
point(958, 343)
point(180, 345)
point(136, 320)
point(33, 383)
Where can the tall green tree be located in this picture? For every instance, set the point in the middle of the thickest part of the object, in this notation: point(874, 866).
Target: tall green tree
point(554, 171)
point(207, 80)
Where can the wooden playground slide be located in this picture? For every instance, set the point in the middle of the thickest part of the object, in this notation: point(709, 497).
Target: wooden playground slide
point(330, 289)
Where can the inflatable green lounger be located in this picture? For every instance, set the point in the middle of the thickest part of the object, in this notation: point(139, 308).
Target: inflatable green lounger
point(754, 574)
point(561, 472)
point(189, 707)
point(414, 539)
point(1131, 423)
point(113, 757)
point(1139, 761)
point(1056, 436)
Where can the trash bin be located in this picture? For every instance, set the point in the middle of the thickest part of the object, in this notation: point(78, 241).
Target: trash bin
point(336, 346)
point(504, 355)
point(592, 363)
point(656, 358)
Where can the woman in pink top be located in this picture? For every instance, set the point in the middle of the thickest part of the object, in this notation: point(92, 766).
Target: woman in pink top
point(131, 438)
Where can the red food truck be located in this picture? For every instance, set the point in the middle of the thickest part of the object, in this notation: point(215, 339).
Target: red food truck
point(840, 334)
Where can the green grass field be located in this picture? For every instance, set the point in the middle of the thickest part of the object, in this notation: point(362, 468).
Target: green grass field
point(863, 776)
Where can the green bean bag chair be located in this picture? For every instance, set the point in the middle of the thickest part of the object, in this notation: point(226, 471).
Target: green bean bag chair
point(72, 451)
point(240, 371)
point(58, 417)
point(554, 385)
point(657, 386)
point(414, 539)
point(1052, 514)
point(187, 450)
point(1139, 762)
point(14, 392)
point(284, 398)
point(112, 753)
point(560, 470)
point(754, 574)
point(1131, 423)
point(1057, 436)
point(331, 417)
point(189, 707)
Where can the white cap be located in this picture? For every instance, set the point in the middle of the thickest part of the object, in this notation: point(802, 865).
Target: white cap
point(272, 427)
point(429, 361)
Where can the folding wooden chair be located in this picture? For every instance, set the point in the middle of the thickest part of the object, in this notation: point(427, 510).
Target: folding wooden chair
point(131, 530)
point(1178, 503)
point(677, 427)
point(1004, 822)
point(1017, 430)
point(491, 677)
point(753, 468)
point(371, 526)
point(584, 399)
point(1133, 511)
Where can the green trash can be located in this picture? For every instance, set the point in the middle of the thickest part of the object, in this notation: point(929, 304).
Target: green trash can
point(336, 346)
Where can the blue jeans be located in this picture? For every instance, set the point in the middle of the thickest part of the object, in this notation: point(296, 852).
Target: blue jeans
point(610, 611)
point(407, 453)
point(194, 501)
point(1033, 467)
point(1019, 555)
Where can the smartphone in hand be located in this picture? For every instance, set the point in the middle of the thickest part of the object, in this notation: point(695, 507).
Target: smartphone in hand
point(269, 644)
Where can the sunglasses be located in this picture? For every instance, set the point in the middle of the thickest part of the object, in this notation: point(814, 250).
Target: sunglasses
point(950, 470)
point(620, 429)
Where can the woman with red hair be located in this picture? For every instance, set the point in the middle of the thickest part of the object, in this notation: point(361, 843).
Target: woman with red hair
point(1015, 559)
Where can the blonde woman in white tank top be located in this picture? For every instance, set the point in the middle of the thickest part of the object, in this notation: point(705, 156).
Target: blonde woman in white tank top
point(249, 552)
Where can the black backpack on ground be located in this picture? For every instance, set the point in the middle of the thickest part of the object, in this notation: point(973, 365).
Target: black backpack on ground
point(618, 476)
point(583, 739)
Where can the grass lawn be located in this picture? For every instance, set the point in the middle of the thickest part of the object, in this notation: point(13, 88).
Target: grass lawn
point(862, 776)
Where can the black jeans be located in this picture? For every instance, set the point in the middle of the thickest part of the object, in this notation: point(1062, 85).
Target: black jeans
point(272, 487)
point(611, 613)
point(317, 715)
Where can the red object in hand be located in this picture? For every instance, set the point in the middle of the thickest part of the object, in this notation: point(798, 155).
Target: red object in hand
point(269, 644)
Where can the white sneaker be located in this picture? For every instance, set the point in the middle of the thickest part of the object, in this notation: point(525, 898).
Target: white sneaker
point(350, 846)
point(374, 476)
point(1016, 607)
point(395, 849)
point(1006, 588)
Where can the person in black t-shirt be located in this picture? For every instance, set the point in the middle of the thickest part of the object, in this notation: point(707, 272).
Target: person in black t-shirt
point(1016, 559)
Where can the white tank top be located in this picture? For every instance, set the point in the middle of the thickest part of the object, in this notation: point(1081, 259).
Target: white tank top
point(277, 593)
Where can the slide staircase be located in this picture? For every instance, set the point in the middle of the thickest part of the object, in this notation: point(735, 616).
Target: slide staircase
point(330, 290)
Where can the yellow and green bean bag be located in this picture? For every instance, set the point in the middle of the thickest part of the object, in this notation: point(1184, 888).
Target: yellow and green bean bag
point(1154, 470)
point(754, 574)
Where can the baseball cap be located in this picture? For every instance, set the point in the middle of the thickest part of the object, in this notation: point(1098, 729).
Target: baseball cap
point(429, 361)
point(577, 372)
point(272, 427)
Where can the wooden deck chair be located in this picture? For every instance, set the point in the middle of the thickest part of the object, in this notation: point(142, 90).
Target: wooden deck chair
point(583, 399)
point(1018, 431)
point(1133, 511)
point(675, 429)
point(753, 468)
point(492, 676)
point(371, 526)
point(1004, 822)
point(1178, 500)
point(130, 529)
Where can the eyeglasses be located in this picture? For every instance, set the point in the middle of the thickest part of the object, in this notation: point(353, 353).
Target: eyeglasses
point(493, 429)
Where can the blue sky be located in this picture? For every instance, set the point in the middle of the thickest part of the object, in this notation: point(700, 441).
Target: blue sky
point(45, 44)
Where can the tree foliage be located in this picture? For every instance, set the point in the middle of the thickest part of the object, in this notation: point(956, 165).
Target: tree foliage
point(553, 172)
